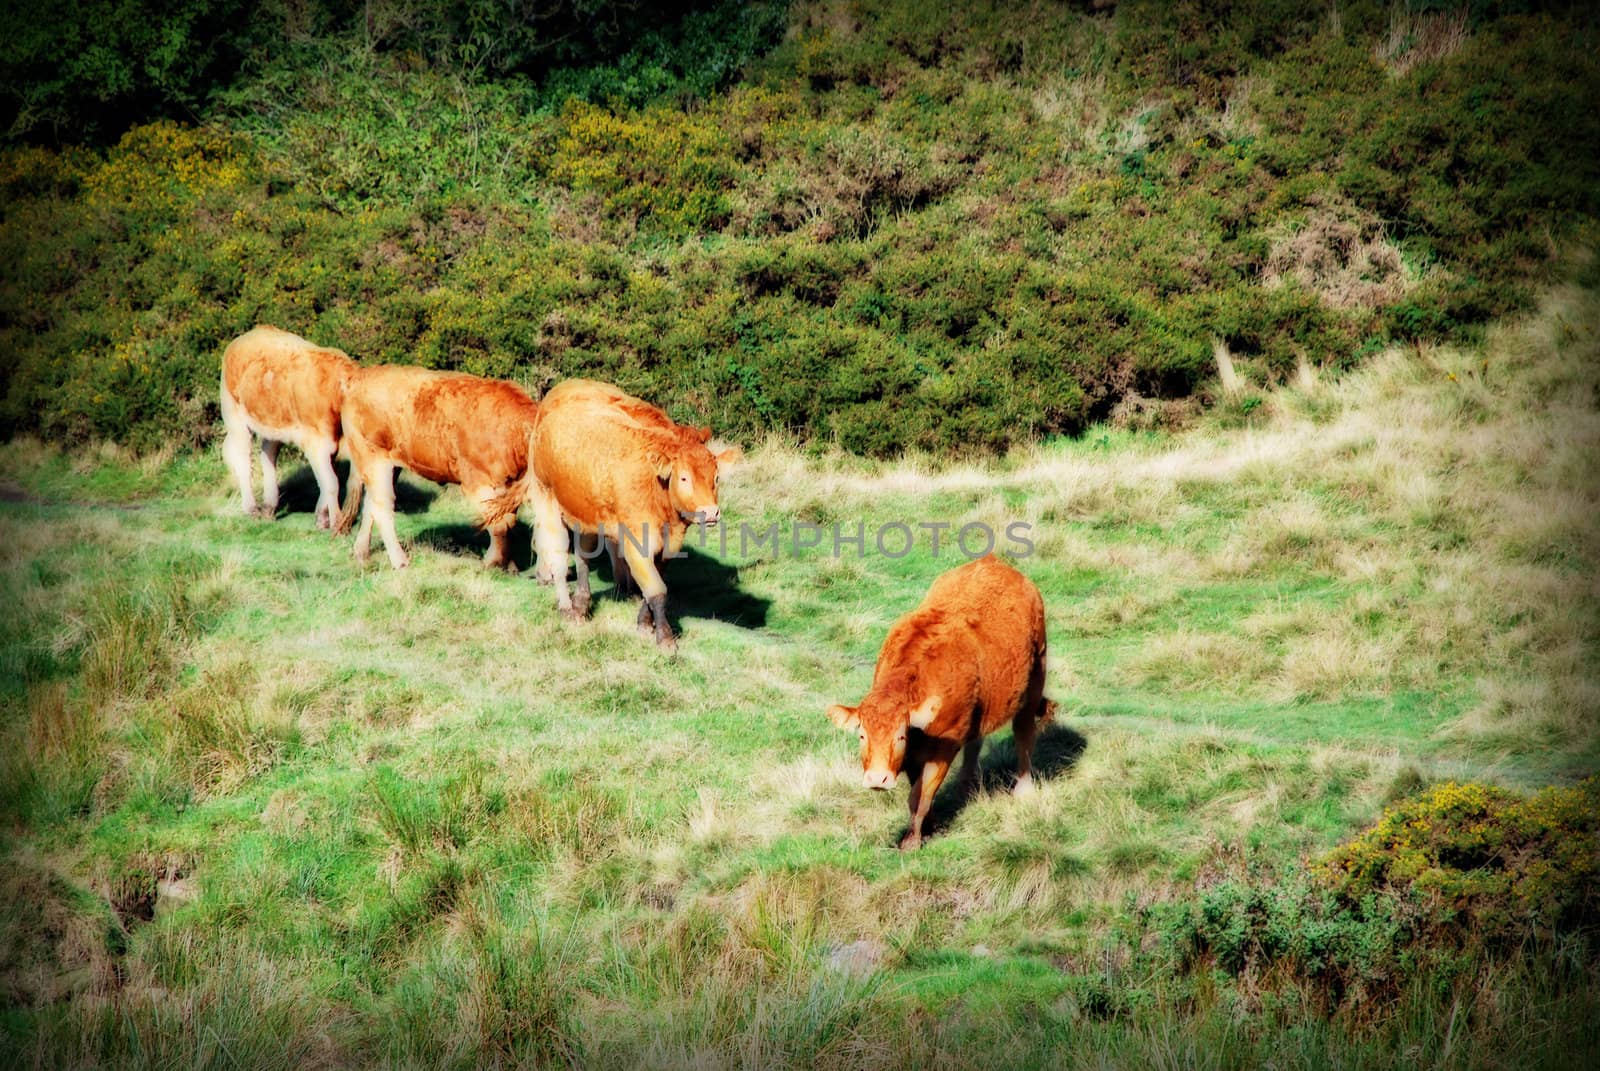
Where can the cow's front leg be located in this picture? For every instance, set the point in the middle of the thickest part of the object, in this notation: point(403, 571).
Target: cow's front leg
point(924, 788)
point(642, 563)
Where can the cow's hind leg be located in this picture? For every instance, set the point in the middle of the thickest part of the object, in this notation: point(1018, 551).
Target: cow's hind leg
point(620, 571)
point(587, 548)
point(1025, 727)
point(269, 479)
point(551, 540)
point(1036, 710)
point(379, 507)
point(236, 450)
point(320, 454)
point(498, 556)
point(497, 524)
point(971, 773)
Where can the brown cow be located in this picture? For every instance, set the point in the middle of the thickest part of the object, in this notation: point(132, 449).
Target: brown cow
point(448, 427)
point(284, 389)
point(614, 466)
point(966, 661)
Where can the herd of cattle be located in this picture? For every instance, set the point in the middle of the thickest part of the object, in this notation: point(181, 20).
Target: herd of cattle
point(611, 470)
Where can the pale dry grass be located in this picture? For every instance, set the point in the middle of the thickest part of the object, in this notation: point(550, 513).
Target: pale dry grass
point(1342, 255)
point(1417, 37)
point(1450, 494)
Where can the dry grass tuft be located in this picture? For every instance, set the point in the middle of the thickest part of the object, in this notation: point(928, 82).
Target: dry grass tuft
point(1417, 37)
point(1342, 255)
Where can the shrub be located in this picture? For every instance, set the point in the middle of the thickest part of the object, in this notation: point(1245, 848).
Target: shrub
point(1497, 865)
point(1460, 871)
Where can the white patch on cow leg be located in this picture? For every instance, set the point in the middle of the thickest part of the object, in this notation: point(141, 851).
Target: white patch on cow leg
point(236, 450)
point(269, 477)
point(551, 541)
point(320, 454)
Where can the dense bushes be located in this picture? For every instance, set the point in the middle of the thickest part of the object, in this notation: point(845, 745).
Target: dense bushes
point(952, 229)
point(91, 68)
point(1461, 871)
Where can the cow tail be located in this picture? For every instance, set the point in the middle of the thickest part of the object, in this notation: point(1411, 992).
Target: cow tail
point(352, 502)
point(500, 512)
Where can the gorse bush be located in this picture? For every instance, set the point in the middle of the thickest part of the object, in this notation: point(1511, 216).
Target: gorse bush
point(1497, 864)
point(950, 228)
point(1461, 871)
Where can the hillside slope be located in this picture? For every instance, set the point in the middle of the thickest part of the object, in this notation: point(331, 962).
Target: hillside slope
point(264, 807)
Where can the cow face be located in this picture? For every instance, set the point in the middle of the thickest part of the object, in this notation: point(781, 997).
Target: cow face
point(692, 482)
point(883, 723)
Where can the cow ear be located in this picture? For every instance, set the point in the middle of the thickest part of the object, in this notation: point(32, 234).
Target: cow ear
point(700, 435)
point(726, 456)
point(662, 455)
point(844, 717)
point(923, 716)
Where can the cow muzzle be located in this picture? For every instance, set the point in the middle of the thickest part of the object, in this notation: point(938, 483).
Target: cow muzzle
point(877, 780)
point(708, 516)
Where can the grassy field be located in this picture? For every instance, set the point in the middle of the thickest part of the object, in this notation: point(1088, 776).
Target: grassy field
point(265, 808)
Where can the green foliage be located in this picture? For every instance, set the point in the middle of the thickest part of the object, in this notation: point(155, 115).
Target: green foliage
point(1460, 871)
point(1500, 865)
point(951, 229)
point(90, 68)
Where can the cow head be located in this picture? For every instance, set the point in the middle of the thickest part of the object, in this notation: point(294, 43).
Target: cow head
point(882, 721)
point(688, 466)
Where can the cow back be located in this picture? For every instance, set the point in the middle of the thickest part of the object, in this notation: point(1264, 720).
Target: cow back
point(287, 383)
point(448, 427)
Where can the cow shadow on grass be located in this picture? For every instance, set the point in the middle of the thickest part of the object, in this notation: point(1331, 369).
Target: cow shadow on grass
point(297, 491)
point(1056, 751)
point(698, 585)
point(470, 541)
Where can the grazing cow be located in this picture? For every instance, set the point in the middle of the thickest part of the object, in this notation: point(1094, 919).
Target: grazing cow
point(285, 390)
point(448, 427)
point(966, 661)
point(615, 467)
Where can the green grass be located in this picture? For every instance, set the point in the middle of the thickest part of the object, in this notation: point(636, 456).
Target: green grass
point(261, 805)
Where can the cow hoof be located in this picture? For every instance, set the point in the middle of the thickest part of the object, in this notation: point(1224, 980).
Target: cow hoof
point(668, 644)
point(264, 513)
point(1024, 786)
point(572, 613)
point(910, 842)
